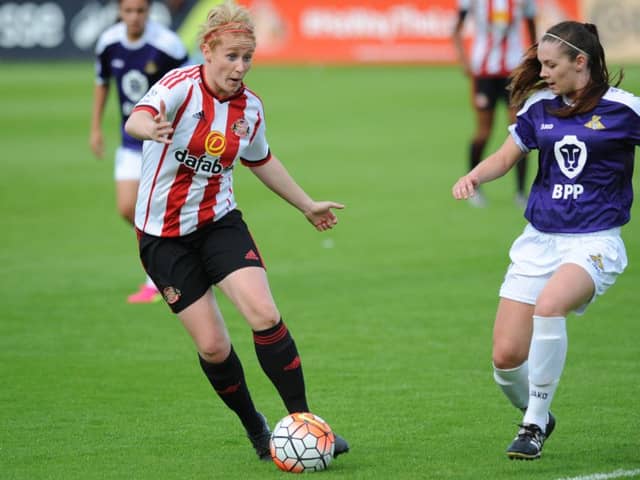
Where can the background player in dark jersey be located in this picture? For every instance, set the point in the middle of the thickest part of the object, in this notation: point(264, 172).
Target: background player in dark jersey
point(497, 48)
point(136, 52)
point(198, 123)
point(586, 132)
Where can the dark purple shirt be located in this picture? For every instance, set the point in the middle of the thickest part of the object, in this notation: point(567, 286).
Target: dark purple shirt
point(585, 162)
point(136, 66)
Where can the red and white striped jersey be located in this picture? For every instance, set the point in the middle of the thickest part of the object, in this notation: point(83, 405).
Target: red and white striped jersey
point(189, 183)
point(497, 43)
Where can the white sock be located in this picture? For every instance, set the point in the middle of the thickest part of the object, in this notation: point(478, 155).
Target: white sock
point(149, 283)
point(514, 383)
point(546, 362)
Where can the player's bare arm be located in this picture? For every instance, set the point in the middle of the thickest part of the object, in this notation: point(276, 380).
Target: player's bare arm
point(144, 126)
point(275, 176)
point(492, 167)
point(96, 140)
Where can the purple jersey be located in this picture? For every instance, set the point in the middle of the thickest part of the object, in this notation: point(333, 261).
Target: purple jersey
point(585, 162)
point(136, 66)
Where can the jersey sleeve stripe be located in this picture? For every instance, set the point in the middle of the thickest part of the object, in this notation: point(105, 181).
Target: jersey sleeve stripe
point(255, 130)
point(517, 139)
point(170, 76)
point(175, 76)
point(256, 163)
point(146, 108)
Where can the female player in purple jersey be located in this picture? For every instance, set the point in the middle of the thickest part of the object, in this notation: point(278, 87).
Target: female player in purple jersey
point(135, 52)
point(194, 237)
point(571, 251)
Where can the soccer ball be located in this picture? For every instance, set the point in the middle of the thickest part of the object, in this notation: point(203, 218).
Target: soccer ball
point(302, 442)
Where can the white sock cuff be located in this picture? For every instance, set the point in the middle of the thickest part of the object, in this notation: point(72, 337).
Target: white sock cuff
point(510, 375)
point(549, 326)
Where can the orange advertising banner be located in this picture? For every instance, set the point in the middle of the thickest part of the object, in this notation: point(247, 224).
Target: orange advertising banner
point(368, 31)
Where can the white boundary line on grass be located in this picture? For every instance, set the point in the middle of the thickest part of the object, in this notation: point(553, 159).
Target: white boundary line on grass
point(605, 476)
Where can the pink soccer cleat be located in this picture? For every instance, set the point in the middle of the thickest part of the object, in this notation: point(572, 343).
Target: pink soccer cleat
point(146, 294)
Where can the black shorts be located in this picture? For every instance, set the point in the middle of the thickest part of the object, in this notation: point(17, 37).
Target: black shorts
point(183, 268)
point(488, 90)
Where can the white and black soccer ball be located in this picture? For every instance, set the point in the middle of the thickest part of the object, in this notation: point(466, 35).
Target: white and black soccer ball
point(302, 442)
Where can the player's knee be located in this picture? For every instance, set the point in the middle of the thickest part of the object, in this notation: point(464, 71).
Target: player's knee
point(508, 357)
point(548, 307)
point(214, 351)
point(263, 315)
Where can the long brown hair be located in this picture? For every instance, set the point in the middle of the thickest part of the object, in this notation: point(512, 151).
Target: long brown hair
point(574, 38)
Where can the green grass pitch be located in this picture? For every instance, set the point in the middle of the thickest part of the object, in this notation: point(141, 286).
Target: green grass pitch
point(392, 311)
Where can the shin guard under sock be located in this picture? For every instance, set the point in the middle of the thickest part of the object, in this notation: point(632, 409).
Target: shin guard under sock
point(546, 362)
point(227, 379)
point(278, 357)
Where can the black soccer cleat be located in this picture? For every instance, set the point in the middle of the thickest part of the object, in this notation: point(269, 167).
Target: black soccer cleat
point(260, 440)
point(551, 424)
point(340, 446)
point(528, 443)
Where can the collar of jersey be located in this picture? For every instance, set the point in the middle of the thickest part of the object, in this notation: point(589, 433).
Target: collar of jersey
point(210, 92)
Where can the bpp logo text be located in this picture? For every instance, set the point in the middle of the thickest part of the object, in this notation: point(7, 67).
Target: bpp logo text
point(567, 191)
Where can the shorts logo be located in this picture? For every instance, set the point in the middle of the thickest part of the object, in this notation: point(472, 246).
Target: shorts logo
point(596, 261)
point(241, 128)
point(215, 143)
point(481, 100)
point(251, 255)
point(171, 295)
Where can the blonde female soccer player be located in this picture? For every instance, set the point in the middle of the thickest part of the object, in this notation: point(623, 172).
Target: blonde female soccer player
point(198, 123)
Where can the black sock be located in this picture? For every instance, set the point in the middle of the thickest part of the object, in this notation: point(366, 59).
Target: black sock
point(521, 175)
point(475, 154)
point(227, 379)
point(278, 357)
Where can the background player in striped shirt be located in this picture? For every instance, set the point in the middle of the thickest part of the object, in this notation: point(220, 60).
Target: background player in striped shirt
point(198, 122)
point(571, 251)
point(136, 52)
point(497, 48)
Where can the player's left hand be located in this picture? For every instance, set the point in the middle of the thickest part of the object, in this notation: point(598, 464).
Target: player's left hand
point(321, 216)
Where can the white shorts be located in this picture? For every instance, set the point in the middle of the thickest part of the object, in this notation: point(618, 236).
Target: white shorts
point(128, 164)
point(535, 256)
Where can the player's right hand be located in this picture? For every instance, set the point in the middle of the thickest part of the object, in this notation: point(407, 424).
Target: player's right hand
point(96, 143)
point(465, 187)
point(162, 128)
